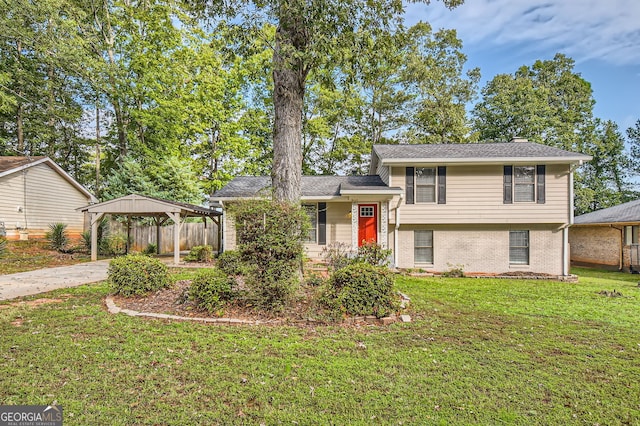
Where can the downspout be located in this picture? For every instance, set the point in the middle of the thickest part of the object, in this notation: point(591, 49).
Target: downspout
point(396, 232)
point(565, 231)
point(621, 257)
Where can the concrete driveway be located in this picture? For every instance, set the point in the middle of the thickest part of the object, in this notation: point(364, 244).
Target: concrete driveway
point(43, 280)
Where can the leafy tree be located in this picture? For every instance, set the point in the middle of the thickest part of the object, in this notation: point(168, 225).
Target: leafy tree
point(546, 103)
point(633, 134)
point(309, 34)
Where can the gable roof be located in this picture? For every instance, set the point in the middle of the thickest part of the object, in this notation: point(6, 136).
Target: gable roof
point(311, 186)
point(12, 164)
point(505, 152)
point(143, 205)
point(622, 213)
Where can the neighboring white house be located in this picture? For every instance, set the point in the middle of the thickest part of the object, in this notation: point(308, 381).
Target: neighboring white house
point(488, 208)
point(34, 193)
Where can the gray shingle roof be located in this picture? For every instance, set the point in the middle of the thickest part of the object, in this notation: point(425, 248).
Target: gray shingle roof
point(10, 162)
point(312, 186)
point(623, 213)
point(474, 151)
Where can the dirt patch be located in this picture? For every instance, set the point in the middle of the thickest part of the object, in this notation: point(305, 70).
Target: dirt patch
point(173, 301)
point(32, 303)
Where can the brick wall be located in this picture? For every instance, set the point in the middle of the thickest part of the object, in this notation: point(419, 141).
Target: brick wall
point(595, 245)
point(485, 249)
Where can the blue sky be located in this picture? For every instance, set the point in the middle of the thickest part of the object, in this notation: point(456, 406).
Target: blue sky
point(603, 37)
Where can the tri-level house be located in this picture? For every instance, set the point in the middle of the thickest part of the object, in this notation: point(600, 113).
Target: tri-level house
point(487, 208)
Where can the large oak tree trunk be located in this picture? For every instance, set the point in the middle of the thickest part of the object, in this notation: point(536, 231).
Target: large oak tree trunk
point(289, 75)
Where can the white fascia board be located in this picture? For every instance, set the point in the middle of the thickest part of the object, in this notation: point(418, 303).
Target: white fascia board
point(475, 161)
point(389, 192)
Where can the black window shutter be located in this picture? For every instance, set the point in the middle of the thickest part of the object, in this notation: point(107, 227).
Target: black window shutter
point(508, 184)
point(409, 191)
point(442, 185)
point(322, 224)
point(540, 175)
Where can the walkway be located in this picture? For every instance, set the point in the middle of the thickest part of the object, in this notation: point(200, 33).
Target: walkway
point(43, 280)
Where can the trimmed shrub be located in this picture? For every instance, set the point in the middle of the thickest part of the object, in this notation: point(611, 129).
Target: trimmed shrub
point(373, 254)
point(136, 274)
point(57, 236)
point(230, 262)
point(362, 289)
point(200, 254)
point(270, 236)
point(210, 289)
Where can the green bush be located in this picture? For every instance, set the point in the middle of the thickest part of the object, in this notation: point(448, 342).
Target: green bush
point(3, 245)
point(117, 244)
point(230, 262)
point(373, 254)
point(210, 289)
point(337, 255)
point(362, 289)
point(57, 236)
point(200, 254)
point(136, 274)
point(150, 249)
point(270, 236)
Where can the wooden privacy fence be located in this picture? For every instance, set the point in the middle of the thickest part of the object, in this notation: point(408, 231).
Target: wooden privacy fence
point(191, 234)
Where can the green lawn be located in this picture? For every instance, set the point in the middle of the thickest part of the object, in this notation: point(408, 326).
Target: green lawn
point(480, 351)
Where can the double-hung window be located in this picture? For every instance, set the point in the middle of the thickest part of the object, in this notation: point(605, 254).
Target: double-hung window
point(425, 184)
point(524, 178)
point(519, 247)
point(524, 184)
point(312, 212)
point(423, 247)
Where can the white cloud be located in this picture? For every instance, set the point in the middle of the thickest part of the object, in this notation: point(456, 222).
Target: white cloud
point(583, 29)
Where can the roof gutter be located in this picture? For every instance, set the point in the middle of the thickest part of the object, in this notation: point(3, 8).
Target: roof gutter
point(479, 160)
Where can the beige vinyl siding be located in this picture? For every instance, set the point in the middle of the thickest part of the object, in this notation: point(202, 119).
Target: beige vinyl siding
point(484, 248)
point(338, 228)
point(475, 195)
point(383, 172)
point(49, 199)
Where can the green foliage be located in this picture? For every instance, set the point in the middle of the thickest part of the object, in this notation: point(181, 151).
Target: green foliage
point(103, 234)
point(136, 274)
point(230, 262)
point(362, 289)
point(372, 253)
point(57, 236)
point(150, 249)
point(454, 271)
point(200, 254)
point(116, 244)
point(269, 236)
point(337, 255)
point(210, 289)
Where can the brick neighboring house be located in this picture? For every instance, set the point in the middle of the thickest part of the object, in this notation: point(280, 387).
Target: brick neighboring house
point(607, 238)
point(34, 193)
point(489, 208)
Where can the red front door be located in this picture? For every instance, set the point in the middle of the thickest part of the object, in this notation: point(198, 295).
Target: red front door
point(367, 223)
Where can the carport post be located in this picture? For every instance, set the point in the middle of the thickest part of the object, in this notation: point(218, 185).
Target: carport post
point(95, 220)
point(176, 236)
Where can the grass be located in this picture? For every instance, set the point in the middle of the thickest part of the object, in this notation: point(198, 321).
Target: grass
point(480, 351)
point(22, 256)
